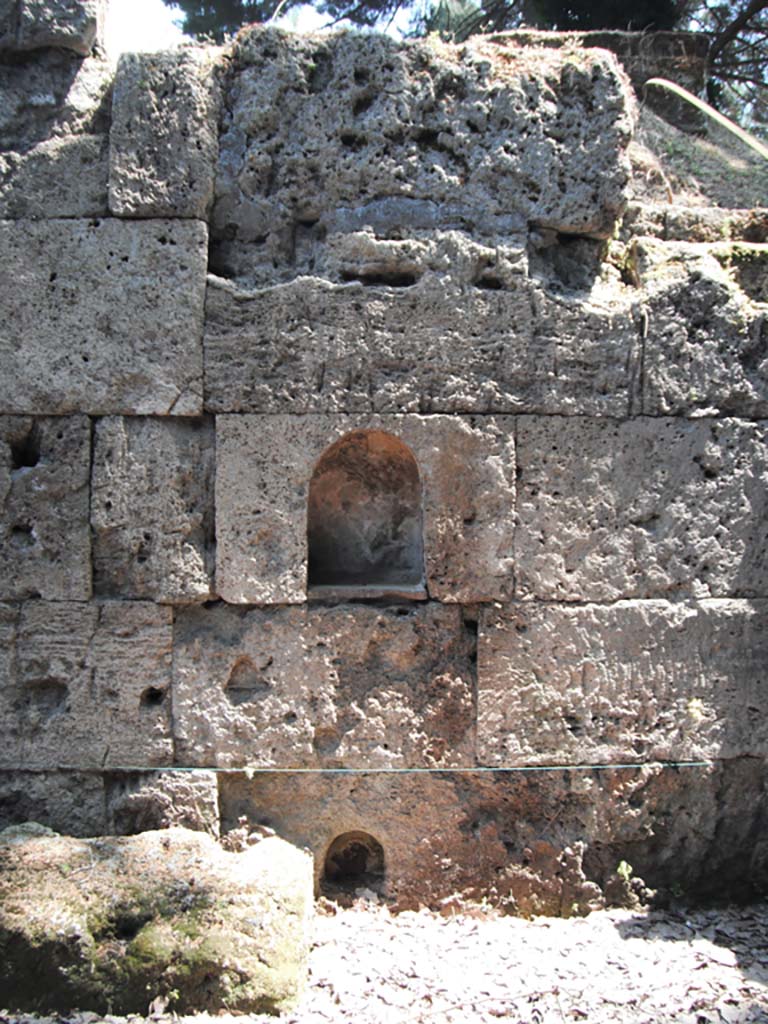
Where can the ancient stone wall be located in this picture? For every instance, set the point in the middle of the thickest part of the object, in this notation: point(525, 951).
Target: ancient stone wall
point(361, 478)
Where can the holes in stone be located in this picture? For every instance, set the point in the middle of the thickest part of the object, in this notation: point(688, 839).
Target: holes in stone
point(364, 516)
point(574, 725)
point(321, 71)
point(362, 104)
point(354, 860)
point(489, 281)
point(127, 924)
point(387, 278)
point(25, 452)
point(152, 697)
point(247, 682)
point(326, 741)
point(22, 536)
point(352, 140)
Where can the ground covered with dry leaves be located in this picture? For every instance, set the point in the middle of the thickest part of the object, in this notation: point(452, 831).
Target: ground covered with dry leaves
point(371, 967)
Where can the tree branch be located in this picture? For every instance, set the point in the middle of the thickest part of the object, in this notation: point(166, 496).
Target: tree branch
point(732, 30)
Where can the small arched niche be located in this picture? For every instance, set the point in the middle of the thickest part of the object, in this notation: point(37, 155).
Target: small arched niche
point(354, 860)
point(364, 520)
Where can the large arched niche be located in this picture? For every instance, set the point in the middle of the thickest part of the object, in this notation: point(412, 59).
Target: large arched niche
point(364, 520)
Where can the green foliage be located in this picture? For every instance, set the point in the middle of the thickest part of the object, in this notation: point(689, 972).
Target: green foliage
point(214, 19)
point(624, 870)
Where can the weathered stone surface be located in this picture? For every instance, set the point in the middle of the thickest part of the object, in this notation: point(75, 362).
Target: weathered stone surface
point(73, 26)
point(54, 120)
point(63, 177)
point(322, 125)
point(9, 22)
point(128, 300)
point(510, 837)
point(152, 508)
point(678, 56)
point(438, 346)
point(88, 686)
point(58, 800)
point(45, 538)
point(633, 681)
point(264, 465)
point(352, 686)
point(166, 914)
point(641, 508)
point(143, 801)
point(164, 136)
point(706, 351)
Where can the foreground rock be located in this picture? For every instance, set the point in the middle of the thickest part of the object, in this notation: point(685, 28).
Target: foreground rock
point(368, 966)
point(111, 924)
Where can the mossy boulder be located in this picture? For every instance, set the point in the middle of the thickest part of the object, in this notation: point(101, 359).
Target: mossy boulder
point(109, 924)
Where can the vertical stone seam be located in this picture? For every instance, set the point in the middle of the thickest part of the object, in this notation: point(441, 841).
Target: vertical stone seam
point(212, 540)
point(515, 517)
point(172, 691)
point(204, 323)
point(643, 334)
point(91, 531)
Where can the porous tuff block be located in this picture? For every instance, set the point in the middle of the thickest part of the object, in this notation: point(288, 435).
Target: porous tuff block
point(143, 801)
point(75, 26)
point(451, 832)
point(9, 21)
point(642, 508)
point(353, 685)
point(54, 120)
point(706, 351)
point(45, 537)
point(88, 686)
point(438, 346)
point(164, 136)
point(64, 801)
point(633, 681)
point(323, 123)
point(264, 465)
point(152, 508)
point(101, 316)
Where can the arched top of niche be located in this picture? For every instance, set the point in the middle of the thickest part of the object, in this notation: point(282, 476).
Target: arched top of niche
point(364, 520)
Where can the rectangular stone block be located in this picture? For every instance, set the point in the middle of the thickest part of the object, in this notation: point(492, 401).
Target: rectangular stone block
point(264, 465)
point(315, 687)
point(54, 124)
point(633, 681)
point(88, 687)
point(68, 802)
point(45, 536)
point(101, 316)
point(642, 508)
point(152, 508)
point(61, 177)
point(529, 136)
point(164, 135)
point(75, 25)
point(706, 350)
point(437, 346)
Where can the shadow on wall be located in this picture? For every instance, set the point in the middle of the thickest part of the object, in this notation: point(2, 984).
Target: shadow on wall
point(364, 523)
